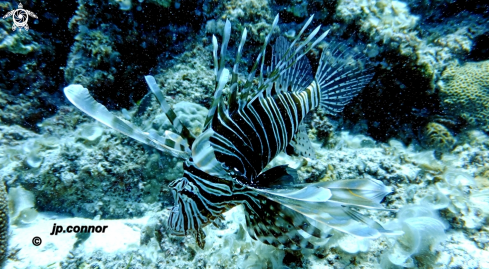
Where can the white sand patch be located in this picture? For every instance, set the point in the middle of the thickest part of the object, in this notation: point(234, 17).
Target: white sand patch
point(120, 235)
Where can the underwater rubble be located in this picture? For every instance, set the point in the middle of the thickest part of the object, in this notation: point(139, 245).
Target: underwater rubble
point(420, 127)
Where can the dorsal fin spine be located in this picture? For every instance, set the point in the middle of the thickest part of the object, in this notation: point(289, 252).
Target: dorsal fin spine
point(215, 46)
point(283, 64)
point(170, 114)
point(339, 80)
point(222, 76)
point(264, 48)
point(223, 79)
point(233, 105)
point(224, 46)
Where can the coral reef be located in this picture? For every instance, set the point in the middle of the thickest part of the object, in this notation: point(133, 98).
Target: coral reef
point(437, 136)
point(31, 63)
point(390, 24)
point(16, 43)
point(448, 184)
point(70, 174)
point(191, 115)
point(416, 47)
point(386, 21)
point(189, 78)
point(464, 93)
point(255, 15)
point(98, 45)
point(112, 53)
point(94, 171)
point(323, 127)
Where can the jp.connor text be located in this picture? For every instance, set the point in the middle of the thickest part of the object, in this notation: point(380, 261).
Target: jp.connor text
point(78, 229)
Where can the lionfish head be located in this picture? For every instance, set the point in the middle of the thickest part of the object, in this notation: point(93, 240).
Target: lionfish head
point(186, 216)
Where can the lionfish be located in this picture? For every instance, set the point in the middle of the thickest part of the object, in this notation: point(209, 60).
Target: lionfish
point(257, 118)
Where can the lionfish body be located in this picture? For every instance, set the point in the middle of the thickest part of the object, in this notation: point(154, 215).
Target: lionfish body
point(260, 118)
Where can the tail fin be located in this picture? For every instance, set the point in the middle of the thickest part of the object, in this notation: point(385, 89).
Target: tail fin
point(340, 78)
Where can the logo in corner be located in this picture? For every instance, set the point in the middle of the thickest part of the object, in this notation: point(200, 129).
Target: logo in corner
point(20, 17)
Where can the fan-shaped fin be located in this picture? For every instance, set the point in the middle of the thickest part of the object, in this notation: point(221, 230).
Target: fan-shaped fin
point(332, 206)
point(171, 143)
point(170, 114)
point(340, 78)
point(279, 226)
point(357, 192)
point(309, 193)
point(293, 79)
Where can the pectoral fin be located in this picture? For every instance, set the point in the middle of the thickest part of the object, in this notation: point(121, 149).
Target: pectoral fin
point(170, 143)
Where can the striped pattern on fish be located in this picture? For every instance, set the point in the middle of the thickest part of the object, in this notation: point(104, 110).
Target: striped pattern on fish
point(258, 118)
point(249, 139)
point(200, 198)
